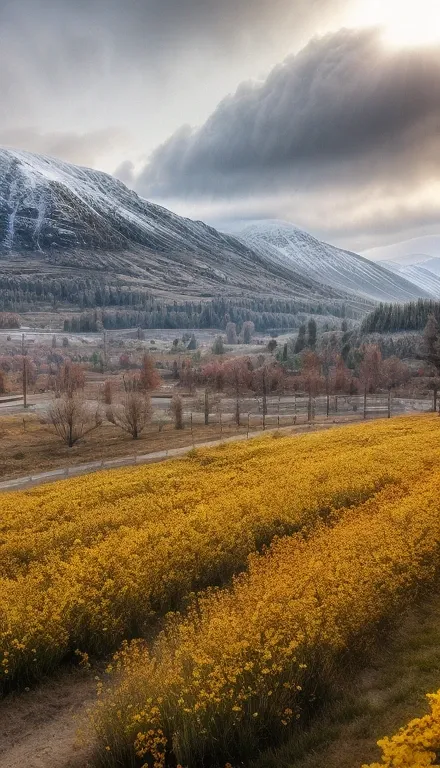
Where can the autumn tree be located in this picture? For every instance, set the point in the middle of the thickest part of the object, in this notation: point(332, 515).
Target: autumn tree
point(394, 373)
point(267, 378)
point(311, 378)
point(342, 377)
point(188, 375)
point(70, 378)
point(238, 378)
point(370, 369)
point(132, 415)
point(213, 376)
point(72, 418)
point(149, 378)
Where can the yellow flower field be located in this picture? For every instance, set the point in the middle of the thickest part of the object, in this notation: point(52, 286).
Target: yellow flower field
point(415, 746)
point(89, 562)
point(231, 675)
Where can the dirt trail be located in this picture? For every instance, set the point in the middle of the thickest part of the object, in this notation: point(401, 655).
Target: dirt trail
point(39, 728)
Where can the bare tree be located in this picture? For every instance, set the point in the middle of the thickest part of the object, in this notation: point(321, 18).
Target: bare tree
point(247, 331)
point(177, 411)
point(70, 378)
point(72, 418)
point(231, 333)
point(132, 415)
point(3, 386)
point(107, 392)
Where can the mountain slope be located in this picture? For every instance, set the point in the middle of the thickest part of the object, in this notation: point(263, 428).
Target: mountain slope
point(57, 218)
point(408, 252)
point(282, 243)
point(418, 274)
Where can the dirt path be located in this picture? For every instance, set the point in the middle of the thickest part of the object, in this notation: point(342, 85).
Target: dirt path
point(39, 729)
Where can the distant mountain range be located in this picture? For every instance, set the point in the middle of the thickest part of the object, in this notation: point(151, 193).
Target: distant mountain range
point(422, 275)
point(409, 252)
point(282, 243)
point(58, 219)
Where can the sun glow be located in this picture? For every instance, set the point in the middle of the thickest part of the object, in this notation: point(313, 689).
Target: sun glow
point(404, 22)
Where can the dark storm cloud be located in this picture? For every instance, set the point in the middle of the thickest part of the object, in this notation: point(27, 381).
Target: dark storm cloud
point(345, 111)
point(78, 66)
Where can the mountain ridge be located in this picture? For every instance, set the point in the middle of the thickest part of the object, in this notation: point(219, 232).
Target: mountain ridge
point(325, 263)
point(59, 218)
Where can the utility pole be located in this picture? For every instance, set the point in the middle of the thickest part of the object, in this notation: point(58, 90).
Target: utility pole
point(105, 350)
point(23, 357)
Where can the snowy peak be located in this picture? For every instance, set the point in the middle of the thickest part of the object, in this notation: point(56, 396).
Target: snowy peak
point(58, 214)
point(281, 242)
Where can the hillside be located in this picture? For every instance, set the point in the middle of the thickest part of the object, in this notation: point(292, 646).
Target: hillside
point(416, 251)
point(60, 219)
point(282, 243)
point(419, 274)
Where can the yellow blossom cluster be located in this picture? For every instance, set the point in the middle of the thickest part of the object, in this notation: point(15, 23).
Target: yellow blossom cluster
point(244, 663)
point(415, 746)
point(89, 562)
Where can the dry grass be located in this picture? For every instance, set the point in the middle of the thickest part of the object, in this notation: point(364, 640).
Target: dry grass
point(28, 447)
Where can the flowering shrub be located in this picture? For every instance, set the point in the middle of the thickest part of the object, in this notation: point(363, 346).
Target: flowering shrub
point(89, 562)
point(416, 745)
point(227, 678)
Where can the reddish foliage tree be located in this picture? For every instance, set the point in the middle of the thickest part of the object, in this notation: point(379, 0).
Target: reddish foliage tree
point(341, 378)
point(394, 372)
point(70, 378)
point(188, 375)
point(238, 379)
point(149, 378)
point(9, 320)
point(212, 375)
point(370, 370)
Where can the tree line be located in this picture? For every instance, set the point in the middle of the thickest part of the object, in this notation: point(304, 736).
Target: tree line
point(401, 317)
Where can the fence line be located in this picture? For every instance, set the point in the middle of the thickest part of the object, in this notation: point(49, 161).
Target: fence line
point(383, 408)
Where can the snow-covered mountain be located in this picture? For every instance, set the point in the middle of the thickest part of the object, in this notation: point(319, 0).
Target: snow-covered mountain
point(409, 252)
point(55, 215)
point(418, 274)
point(282, 243)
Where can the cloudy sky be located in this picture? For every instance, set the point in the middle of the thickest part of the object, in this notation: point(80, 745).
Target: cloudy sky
point(325, 113)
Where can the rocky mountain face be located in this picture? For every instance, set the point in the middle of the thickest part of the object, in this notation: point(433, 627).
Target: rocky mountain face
point(59, 219)
point(282, 243)
point(57, 215)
